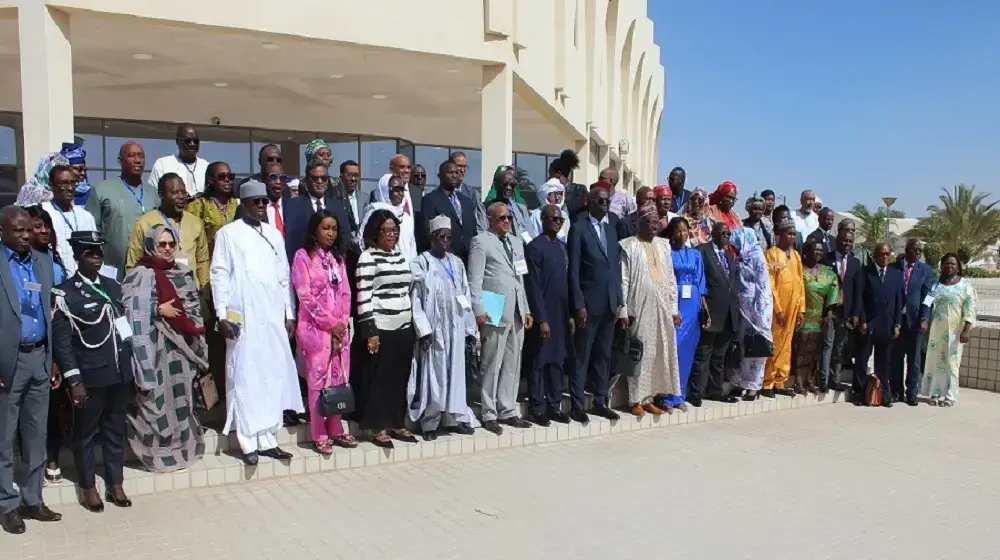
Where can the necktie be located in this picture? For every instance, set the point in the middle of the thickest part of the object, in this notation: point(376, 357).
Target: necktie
point(601, 237)
point(457, 205)
point(842, 267)
point(507, 248)
point(723, 261)
point(278, 222)
point(909, 270)
point(881, 275)
point(319, 204)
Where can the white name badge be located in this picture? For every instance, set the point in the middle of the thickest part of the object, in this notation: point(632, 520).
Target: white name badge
point(526, 237)
point(182, 261)
point(929, 301)
point(109, 271)
point(685, 291)
point(520, 267)
point(463, 301)
point(33, 286)
point(123, 327)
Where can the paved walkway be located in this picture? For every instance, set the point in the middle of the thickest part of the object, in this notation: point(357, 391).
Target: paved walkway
point(822, 482)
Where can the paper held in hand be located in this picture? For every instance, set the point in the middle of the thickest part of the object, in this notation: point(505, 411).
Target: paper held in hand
point(234, 317)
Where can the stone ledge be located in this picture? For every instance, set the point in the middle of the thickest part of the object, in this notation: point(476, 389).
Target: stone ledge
point(220, 466)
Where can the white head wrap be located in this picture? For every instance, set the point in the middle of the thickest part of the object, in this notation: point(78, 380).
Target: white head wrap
point(440, 222)
point(551, 186)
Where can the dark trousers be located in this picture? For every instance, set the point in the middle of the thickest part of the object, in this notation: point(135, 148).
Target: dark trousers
point(909, 350)
point(835, 341)
point(881, 343)
point(709, 367)
point(592, 346)
point(384, 381)
point(104, 411)
point(58, 403)
point(546, 389)
point(24, 402)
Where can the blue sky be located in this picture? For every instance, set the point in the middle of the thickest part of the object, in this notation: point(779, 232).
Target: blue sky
point(854, 99)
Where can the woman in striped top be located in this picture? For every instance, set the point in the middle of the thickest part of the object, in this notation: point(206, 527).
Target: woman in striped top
point(384, 311)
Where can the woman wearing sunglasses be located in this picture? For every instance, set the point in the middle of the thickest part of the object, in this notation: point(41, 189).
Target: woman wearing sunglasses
point(161, 302)
point(216, 205)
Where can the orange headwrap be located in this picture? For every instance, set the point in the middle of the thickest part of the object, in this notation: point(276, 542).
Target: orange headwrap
point(722, 190)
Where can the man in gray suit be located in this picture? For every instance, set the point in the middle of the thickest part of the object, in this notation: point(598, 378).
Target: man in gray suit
point(496, 264)
point(25, 366)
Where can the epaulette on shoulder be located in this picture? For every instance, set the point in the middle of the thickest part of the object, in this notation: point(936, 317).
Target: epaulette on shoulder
point(58, 293)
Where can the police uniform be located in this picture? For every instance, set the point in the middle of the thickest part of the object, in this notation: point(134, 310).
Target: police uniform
point(90, 349)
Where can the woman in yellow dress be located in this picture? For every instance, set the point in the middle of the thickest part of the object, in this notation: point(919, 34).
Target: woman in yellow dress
point(215, 207)
point(785, 269)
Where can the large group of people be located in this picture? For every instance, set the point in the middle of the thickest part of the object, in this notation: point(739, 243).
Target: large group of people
point(134, 304)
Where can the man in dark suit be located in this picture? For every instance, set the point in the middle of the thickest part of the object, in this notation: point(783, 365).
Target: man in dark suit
point(595, 291)
point(629, 225)
point(723, 321)
point(824, 233)
point(448, 201)
point(317, 196)
point(25, 371)
point(917, 283)
point(96, 363)
point(846, 314)
point(881, 316)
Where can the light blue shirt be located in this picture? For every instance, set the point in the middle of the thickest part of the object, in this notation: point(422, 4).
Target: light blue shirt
point(32, 314)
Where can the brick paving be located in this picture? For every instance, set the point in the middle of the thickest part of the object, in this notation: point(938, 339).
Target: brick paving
point(828, 482)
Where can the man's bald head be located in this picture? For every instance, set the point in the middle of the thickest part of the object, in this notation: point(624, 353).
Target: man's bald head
point(399, 165)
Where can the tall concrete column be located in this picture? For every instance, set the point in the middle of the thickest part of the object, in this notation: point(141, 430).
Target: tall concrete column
point(46, 79)
point(498, 121)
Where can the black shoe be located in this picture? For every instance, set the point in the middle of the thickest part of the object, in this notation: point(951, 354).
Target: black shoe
point(516, 422)
point(276, 453)
point(39, 513)
point(784, 392)
point(430, 436)
point(887, 404)
point(405, 437)
point(912, 401)
point(251, 459)
point(291, 419)
point(558, 416)
point(493, 426)
point(580, 416)
point(604, 412)
point(824, 390)
point(464, 430)
point(751, 396)
point(724, 399)
point(540, 419)
point(695, 401)
point(838, 387)
point(767, 393)
point(736, 392)
point(12, 522)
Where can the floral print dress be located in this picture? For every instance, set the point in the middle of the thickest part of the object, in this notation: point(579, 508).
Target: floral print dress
point(953, 306)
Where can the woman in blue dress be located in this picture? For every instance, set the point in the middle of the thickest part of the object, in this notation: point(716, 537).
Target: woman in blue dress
point(690, 272)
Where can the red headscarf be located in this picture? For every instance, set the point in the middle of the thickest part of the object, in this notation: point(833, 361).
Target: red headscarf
point(721, 191)
point(601, 184)
point(165, 292)
point(662, 190)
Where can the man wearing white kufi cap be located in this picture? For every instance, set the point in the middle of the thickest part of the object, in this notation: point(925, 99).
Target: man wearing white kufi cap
point(250, 278)
point(443, 319)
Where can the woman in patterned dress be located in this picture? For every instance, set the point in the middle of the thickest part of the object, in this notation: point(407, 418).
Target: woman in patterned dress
point(696, 213)
point(952, 317)
point(216, 206)
point(822, 291)
point(161, 302)
point(756, 308)
point(649, 290)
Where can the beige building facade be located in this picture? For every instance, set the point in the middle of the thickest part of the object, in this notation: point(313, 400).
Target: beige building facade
point(506, 81)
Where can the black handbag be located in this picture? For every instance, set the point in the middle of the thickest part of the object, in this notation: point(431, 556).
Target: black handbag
point(626, 353)
point(756, 346)
point(335, 400)
point(473, 369)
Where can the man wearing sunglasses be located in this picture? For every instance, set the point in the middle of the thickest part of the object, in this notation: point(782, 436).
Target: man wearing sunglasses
point(268, 155)
point(185, 163)
point(316, 196)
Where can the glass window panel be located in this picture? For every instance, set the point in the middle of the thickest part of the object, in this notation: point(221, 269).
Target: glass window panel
point(10, 183)
point(231, 145)
point(157, 140)
point(10, 126)
point(536, 166)
point(474, 173)
point(431, 158)
point(367, 187)
point(407, 149)
point(375, 156)
point(90, 133)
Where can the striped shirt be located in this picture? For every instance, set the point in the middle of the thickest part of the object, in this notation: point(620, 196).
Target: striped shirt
point(383, 292)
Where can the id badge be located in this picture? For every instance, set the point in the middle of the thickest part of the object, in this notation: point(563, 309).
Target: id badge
point(526, 237)
point(123, 327)
point(33, 286)
point(463, 301)
point(929, 301)
point(686, 291)
point(520, 267)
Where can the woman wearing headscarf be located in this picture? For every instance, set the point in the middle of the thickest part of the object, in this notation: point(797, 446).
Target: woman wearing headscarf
point(722, 203)
point(552, 192)
point(755, 220)
point(162, 305)
point(407, 243)
point(38, 190)
point(756, 308)
point(77, 157)
point(505, 189)
point(695, 211)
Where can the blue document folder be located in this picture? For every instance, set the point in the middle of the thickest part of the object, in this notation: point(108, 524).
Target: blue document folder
point(493, 305)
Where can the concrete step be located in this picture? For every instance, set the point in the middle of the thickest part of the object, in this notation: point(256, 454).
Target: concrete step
point(222, 465)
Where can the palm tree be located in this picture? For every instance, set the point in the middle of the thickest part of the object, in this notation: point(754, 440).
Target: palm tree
point(873, 226)
point(965, 222)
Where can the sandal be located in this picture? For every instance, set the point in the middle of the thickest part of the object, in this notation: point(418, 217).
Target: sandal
point(382, 439)
point(346, 441)
point(683, 407)
point(946, 403)
point(403, 435)
point(53, 476)
point(933, 401)
point(324, 447)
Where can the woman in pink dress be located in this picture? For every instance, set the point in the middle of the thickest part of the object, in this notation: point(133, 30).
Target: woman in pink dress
point(324, 293)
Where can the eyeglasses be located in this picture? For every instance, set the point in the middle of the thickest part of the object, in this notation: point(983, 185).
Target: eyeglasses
point(601, 201)
point(225, 177)
point(166, 244)
point(192, 141)
point(504, 218)
point(556, 219)
point(390, 231)
point(277, 177)
point(257, 201)
point(272, 159)
point(421, 175)
point(319, 178)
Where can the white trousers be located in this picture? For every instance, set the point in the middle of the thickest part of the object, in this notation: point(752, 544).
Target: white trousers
point(261, 441)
